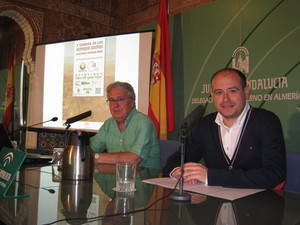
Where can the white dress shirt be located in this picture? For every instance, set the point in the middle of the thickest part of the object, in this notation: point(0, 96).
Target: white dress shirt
point(231, 135)
point(226, 215)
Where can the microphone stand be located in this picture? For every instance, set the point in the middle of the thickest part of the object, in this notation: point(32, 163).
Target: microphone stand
point(32, 125)
point(23, 129)
point(74, 119)
point(181, 195)
point(68, 125)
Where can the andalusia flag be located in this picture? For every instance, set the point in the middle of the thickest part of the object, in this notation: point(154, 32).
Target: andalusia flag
point(161, 109)
point(9, 94)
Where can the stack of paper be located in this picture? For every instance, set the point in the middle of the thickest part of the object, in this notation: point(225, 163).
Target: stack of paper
point(215, 191)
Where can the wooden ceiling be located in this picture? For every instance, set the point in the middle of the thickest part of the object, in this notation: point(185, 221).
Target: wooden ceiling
point(116, 8)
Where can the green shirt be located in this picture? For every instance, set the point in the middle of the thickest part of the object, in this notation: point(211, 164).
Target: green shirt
point(139, 137)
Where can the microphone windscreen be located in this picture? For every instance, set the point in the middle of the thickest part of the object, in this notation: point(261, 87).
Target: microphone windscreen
point(79, 117)
point(193, 117)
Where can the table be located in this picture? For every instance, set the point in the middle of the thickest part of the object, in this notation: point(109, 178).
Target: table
point(51, 200)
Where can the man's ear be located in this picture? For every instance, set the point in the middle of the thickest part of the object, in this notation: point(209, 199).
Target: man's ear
point(132, 102)
point(247, 91)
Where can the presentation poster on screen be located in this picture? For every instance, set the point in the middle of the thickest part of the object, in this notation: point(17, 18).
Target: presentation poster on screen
point(89, 66)
point(88, 76)
point(72, 77)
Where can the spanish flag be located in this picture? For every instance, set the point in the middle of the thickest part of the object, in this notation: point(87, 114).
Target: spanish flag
point(9, 94)
point(161, 106)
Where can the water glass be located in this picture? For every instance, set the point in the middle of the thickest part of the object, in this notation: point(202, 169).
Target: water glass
point(56, 173)
point(124, 202)
point(125, 177)
point(58, 157)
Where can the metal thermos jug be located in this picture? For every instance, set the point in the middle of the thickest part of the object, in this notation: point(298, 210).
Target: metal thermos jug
point(76, 198)
point(77, 157)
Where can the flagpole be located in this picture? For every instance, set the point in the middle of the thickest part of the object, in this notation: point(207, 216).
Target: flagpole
point(21, 115)
point(22, 132)
point(14, 91)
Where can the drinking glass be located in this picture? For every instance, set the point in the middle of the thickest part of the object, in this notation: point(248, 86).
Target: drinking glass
point(125, 177)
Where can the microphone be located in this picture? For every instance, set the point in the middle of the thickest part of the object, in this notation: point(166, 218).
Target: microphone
point(50, 190)
point(192, 119)
point(187, 125)
point(78, 117)
point(21, 131)
point(53, 119)
point(32, 125)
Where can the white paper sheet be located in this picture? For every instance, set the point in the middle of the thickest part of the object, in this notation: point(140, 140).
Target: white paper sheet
point(215, 191)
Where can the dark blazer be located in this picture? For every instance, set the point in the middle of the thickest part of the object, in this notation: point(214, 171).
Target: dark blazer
point(258, 162)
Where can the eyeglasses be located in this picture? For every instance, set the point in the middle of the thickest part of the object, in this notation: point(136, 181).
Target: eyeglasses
point(120, 99)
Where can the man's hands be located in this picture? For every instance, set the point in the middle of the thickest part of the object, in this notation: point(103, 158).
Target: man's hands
point(105, 168)
point(113, 158)
point(192, 173)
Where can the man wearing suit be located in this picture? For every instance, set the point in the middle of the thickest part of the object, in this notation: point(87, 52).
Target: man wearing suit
point(241, 146)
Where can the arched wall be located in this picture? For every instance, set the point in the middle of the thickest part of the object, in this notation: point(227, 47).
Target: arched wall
point(30, 22)
point(31, 27)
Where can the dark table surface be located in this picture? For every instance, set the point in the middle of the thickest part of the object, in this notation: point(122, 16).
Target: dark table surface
point(52, 200)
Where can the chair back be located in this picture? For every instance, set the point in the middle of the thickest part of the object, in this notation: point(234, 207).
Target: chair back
point(167, 148)
point(293, 172)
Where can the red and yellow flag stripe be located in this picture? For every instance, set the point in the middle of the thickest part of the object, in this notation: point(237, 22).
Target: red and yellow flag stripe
point(161, 106)
point(9, 94)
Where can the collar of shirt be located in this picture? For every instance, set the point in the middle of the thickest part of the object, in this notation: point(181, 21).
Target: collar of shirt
point(127, 120)
point(230, 136)
point(238, 122)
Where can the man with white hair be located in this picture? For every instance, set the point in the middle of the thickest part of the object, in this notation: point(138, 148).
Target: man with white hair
point(129, 135)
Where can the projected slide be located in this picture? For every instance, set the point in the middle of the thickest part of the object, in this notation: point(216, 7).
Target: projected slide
point(85, 63)
point(88, 67)
point(74, 76)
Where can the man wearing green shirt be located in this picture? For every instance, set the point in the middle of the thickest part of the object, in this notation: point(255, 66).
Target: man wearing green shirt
point(128, 136)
